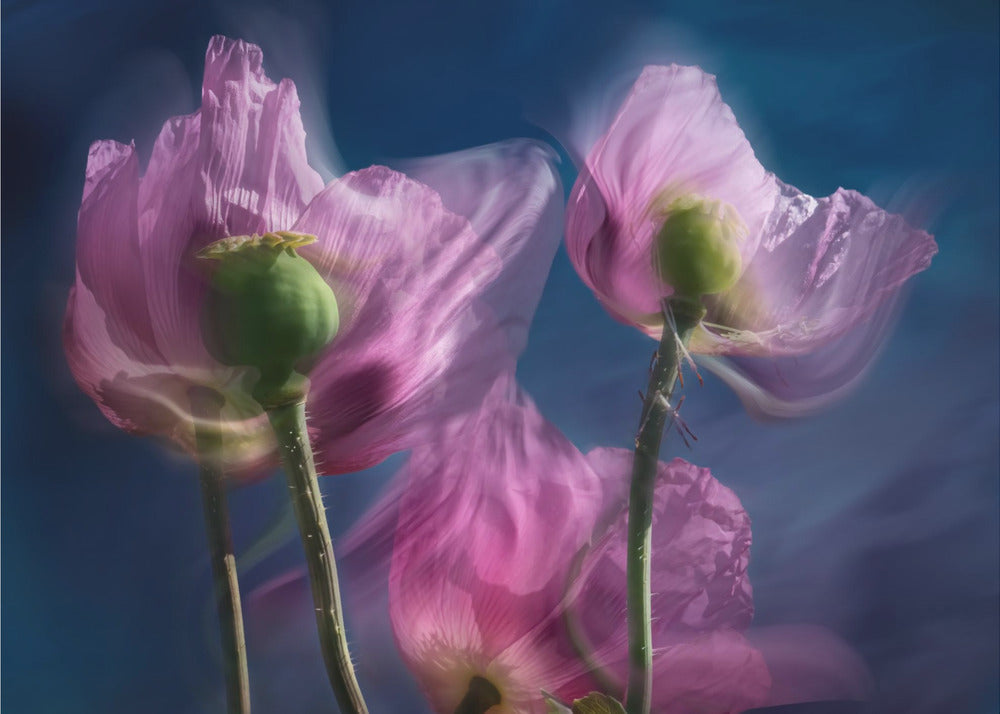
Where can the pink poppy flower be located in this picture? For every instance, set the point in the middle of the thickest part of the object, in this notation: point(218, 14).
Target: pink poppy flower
point(820, 276)
point(421, 332)
point(486, 546)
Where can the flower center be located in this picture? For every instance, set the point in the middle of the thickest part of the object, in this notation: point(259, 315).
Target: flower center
point(278, 240)
point(268, 308)
point(480, 697)
point(697, 248)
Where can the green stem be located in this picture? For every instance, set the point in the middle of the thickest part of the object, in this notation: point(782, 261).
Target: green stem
point(687, 313)
point(206, 405)
point(289, 423)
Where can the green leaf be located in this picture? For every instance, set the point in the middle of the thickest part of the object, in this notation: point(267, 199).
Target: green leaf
point(597, 703)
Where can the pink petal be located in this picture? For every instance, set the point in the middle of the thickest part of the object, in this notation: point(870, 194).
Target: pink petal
point(108, 261)
point(701, 548)
point(673, 132)
point(153, 399)
point(492, 517)
point(790, 387)
point(254, 173)
point(718, 672)
point(237, 166)
point(167, 224)
point(102, 368)
point(511, 193)
point(425, 326)
point(810, 663)
point(825, 266)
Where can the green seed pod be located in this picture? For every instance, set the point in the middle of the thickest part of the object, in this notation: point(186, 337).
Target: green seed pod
point(697, 249)
point(268, 308)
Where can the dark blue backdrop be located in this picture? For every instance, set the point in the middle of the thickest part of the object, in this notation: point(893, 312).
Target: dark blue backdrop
point(877, 519)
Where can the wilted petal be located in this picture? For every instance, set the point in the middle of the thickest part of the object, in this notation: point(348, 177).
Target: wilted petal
point(674, 133)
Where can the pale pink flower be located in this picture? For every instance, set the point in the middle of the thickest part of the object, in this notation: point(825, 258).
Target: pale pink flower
point(423, 328)
point(820, 275)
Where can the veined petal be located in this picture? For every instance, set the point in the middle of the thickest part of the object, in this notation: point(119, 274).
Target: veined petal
point(254, 173)
point(425, 326)
point(701, 548)
point(108, 260)
point(825, 266)
point(235, 167)
point(167, 224)
point(673, 133)
point(493, 514)
point(512, 196)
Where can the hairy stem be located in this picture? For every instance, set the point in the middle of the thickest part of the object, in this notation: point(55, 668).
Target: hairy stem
point(663, 375)
point(289, 423)
point(206, 406)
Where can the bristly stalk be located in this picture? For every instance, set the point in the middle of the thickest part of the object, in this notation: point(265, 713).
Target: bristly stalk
point(206, 406)
point(289, 423)
point(686, 314)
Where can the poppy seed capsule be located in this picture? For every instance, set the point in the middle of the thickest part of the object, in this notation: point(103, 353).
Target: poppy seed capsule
point(268, 308)
point(697, 249)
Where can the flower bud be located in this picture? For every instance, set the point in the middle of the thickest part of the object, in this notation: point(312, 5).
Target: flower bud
point(268, 308)
point(697, 249)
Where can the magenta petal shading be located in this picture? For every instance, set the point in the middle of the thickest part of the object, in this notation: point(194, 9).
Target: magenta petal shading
point(810, 663)
point(673, 132)
point(424, 329)
point(490, 527)
point(487, 529)
point(701, 596)
point(815, 270)
point(510, 192)
point(426, 321)
point(235, 167)
point(108, 258)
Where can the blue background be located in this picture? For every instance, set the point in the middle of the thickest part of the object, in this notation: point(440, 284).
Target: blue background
point(877, 519)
